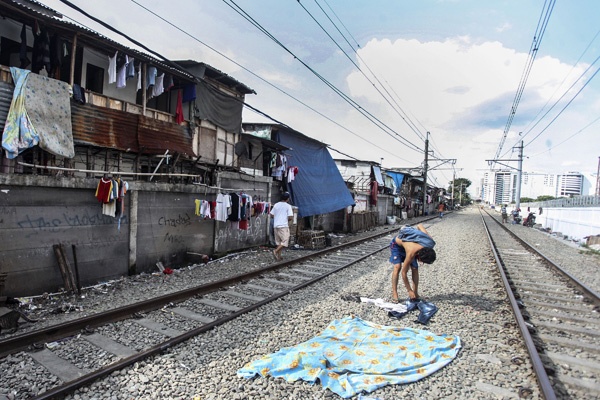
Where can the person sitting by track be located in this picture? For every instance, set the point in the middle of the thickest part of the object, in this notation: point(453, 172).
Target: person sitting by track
point(407, 248)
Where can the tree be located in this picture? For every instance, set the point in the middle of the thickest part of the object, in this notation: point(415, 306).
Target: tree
point(460, 191)
point(527, 200)
point(545, 198)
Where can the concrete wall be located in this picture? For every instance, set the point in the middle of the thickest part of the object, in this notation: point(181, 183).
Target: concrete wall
point(159, 224)
point(575, 222)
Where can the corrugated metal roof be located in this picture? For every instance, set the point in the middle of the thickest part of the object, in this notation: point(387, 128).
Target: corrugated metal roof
point(216, 75)
point(104, 127)
point(157, 136)
point(31, 10)
point(120, 130)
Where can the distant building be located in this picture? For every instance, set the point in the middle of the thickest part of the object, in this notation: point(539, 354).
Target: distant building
point(570, 184)
point(499, 187)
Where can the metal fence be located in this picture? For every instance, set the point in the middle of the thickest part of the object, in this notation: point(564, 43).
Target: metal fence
point(577, 201)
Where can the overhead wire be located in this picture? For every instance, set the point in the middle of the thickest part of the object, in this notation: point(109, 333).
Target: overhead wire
point(102, 23)
point(535, 45)
point(563, 109)
point(386, 98)
point(528, 130)
point(262, 79)
point(376, 121)
point(569, 138)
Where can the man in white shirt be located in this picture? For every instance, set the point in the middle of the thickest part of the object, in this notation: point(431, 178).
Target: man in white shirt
point(282, 215)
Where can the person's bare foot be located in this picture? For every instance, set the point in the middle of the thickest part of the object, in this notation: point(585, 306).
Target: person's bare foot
point(275, 256)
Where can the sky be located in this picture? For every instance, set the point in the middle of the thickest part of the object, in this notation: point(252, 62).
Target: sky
point(371, 78)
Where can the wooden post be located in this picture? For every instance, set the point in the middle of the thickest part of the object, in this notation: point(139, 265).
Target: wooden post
point(62, 266)
point(68, 268)
point(73, 55)
point(76, 270)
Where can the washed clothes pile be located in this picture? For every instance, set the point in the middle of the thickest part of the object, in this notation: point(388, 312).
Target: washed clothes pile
point(427, 310)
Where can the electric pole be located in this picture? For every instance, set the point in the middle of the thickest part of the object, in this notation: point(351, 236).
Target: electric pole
point(520, 172)
point(425, 173)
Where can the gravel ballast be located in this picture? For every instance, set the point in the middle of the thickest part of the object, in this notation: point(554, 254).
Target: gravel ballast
point(463, 283)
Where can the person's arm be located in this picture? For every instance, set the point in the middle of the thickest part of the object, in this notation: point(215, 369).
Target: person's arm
point(410, 255)
point(422, 229)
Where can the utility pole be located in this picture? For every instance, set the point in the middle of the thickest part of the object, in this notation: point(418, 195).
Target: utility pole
point(425, 173)
point(598, 179)
point(453, 178)
point(520, 172)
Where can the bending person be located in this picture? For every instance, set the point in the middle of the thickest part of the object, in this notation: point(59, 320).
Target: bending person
point(407, 248)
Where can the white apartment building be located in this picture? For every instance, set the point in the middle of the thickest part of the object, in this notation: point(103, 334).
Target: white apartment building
point(499, 187)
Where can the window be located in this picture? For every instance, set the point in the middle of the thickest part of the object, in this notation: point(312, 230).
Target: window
point(94, 78)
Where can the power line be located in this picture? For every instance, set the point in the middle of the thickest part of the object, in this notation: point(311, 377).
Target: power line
point(537, 40)
point(566, 91)
point(262, 79)
point(386, 98)
point(569, 138)
point(377, 122)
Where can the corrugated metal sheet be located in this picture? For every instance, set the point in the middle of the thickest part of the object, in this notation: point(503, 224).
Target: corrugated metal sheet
point(6, 94)
point(120, 130)
point(155, 137)
point(103, 127)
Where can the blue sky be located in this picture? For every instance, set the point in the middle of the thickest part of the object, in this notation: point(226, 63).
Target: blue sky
point(450, 67)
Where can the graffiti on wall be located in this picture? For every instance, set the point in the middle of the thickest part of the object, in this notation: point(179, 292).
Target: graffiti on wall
point(229, 231)
point(36, 225)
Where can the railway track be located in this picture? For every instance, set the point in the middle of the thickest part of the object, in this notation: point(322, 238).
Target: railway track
point(556, 313)
point(75, 353)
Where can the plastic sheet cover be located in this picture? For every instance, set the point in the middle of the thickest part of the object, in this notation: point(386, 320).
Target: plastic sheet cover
point(319, 187)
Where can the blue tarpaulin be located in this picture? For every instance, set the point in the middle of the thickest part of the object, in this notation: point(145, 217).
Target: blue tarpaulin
point(397, 177)
point(319, 187)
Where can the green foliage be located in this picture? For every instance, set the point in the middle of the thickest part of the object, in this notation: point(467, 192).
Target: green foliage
point(460, 190)
point(545, 198)
point(527, 200)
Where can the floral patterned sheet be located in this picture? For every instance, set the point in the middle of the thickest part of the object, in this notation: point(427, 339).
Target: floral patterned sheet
point(352, 356)
point(40, 113)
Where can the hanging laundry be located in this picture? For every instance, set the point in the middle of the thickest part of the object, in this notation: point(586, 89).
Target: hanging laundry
point(139, 76)
point(197, 208)
point(103, 190)
point(205, 209)
point(234, 213)
point(112, 68)
point(223, 207)
point(122, 73)
point(150, 76)
point(130, 68)
point(158, 88)
point(41, 51)
point(189, 92)
point(179, 110)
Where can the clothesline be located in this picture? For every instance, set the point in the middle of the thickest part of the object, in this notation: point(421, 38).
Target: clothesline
point(92, 171)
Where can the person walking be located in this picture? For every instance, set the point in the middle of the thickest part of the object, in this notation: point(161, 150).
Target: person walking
point(504, 214)
point(407, 248)
point(282, 215)
point(441, 208)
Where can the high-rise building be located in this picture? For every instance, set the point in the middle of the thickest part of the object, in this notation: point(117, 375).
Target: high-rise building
point(499, 187)
point(570, 184)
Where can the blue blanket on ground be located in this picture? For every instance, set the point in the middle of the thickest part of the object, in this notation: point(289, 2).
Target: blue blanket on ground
point(352, 356)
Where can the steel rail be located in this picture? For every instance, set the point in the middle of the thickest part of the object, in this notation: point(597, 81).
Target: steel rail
point(71, 386)
point(69, 328)
point(591, 294)
point(538, 367)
